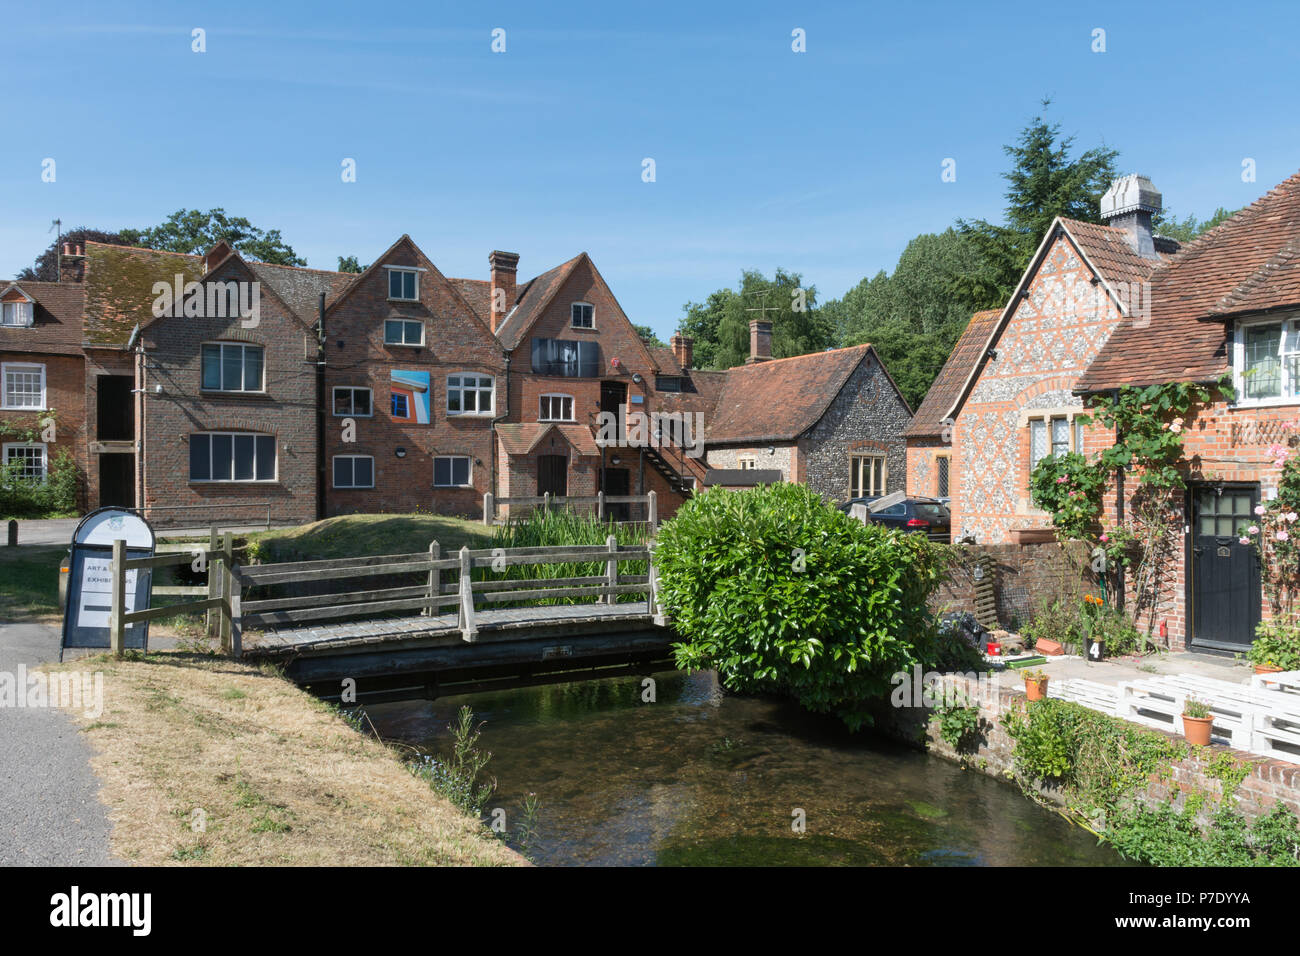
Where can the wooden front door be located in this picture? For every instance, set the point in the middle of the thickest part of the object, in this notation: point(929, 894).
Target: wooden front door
point(553, 475)
point(1224, 572)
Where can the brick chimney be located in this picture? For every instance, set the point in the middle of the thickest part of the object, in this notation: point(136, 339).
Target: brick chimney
point(760, 340)
point(683, 349)
point(72, 262)
point(503, 266)
point(1129, 204)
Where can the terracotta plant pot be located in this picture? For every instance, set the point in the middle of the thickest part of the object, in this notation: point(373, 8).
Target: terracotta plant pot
point(1267, 669)
point(1197, 730)
point(1036, 689)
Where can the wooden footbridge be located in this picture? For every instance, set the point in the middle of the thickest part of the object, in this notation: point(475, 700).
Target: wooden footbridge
point(428, 625)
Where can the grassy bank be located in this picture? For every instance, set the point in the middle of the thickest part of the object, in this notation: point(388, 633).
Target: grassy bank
point(29, 582)
point(351, 535)
point(212, 762)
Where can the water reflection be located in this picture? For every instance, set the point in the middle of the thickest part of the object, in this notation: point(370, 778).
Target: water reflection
point(704, 778)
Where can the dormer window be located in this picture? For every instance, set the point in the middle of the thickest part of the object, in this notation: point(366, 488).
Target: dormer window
point(583, 315)
point(16, 315)
point(403, 284)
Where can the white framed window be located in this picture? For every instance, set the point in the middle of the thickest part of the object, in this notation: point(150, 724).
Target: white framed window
point(582, 315)
point(232, 457)
point(403, 284)
point(1266, 362)
point(747, 462)
point(233, 367)
point(353, 401)
point(31, 459)
point(24, 386)
point(403, 332)
point(16, 315)
point(867, 475)
point(555, 408)
point(470, 394)
point(451, 471)
point(354, 471)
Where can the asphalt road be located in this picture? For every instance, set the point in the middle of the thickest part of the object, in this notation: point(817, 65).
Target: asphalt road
point(50, 813)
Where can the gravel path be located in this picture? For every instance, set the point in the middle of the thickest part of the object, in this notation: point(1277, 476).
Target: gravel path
point(50, 812)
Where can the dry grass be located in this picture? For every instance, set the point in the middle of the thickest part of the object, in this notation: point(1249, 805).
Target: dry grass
point(279, 777)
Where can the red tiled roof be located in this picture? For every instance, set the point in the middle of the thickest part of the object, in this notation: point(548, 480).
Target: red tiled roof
point(1248, 263)
point(300, 288)
point(666, 360)
point(928, 422)
point(781, 399)
point(1107, 248)
point(532, 298)
point(56, 327)
point(520, 438)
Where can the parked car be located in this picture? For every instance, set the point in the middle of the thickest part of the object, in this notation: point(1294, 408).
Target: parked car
point(927, 515)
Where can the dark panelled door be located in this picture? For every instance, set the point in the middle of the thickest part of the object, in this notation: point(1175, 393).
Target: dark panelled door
point(1225, 572)
point(552, 475)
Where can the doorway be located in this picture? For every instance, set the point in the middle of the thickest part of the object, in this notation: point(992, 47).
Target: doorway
point(117, 480)
point(1224, 572)
point(553, 475)
point(115, 408)
point(616, 482)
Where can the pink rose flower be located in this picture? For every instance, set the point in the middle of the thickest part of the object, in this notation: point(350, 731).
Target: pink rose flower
point(1282, 535)
point(1253, 529)
point(1244, 540)
point(1291, 517)
point(1259, 509)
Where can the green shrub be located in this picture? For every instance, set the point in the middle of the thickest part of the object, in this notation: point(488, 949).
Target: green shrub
point(959, 722)
point(1277, 644)
point(782, 593)
point(56, 497)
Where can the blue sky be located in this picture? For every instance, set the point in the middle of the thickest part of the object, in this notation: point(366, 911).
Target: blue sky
point(824, 162)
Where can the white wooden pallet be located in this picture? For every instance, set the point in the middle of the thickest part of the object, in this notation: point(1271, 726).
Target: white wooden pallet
point(1157, 702)
point(1287, 682)
point(1090, 694)
point(1270, 719)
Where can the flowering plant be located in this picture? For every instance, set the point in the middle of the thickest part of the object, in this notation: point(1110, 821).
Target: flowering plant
point(1275, 533)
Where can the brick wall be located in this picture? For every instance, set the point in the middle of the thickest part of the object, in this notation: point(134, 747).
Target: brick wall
point(65, 395)
point(1025, 575)
point(455, 340)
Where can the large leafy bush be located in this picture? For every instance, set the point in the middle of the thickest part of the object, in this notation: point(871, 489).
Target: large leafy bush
point(55, 497)
point(782, 593)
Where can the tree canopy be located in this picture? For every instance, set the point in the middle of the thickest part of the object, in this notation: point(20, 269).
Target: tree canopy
point(194, 232)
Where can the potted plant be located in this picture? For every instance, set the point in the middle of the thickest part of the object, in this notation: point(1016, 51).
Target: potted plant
point(1094, 627)
point(1276, 646)
point(1035, 684)
point(1196, 722)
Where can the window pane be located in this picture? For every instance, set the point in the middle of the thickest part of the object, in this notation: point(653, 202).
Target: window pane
point(943, 476)
point(361, 401)
point(363, 472)
point(460, 471)
point(342, 472)
point(342, 401)
point(200, 458)
point(1037, 442)
point(394, 284)
point(265, 457)
point(1060, 436)
point(442, 471)
point(453, 399)
point(222, 457)
point(212, 366)
point(232, 368)
point(252, 369)
point(392, 331)
point(243, 458)
point(413, 330)
point(1263, 372)
point(408, 285)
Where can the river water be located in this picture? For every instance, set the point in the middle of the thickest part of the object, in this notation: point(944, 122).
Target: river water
point(700, 777)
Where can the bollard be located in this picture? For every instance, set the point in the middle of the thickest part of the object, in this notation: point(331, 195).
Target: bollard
point(13, 534)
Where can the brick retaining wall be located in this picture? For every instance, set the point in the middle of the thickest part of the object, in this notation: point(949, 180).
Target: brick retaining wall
point(1025, 575)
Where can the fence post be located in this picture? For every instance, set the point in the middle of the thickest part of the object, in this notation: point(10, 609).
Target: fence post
point(653, 507)
point(13, 534)
point(600, 506)
point(227, 565)
point(611, 568)
point(489, 508)
point(650, 579)
point(236, 613)
point(546, 501)
point(435, 580)
point(214, 586)
point(116, 627)
point(468, 630)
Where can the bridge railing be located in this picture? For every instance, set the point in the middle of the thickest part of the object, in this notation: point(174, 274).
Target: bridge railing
point(483, 576)
point(602, 505)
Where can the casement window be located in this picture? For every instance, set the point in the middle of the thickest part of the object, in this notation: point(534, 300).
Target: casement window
point(1266, 362)
point(353, 401)
point(555, 408)
point(401, 405)
point(746, 462)
point(941, 473)
point(582, 315)
point(668, 383)
point(469, 394)
point(354, 471)
point(867, 475)
point(24, 386)
point(451, 471)
point(403, 332)
point(566, 358)
point(16, 315)
point(232, 456)
point(29, 460)
point(1051, 436)
point(230, 367)
point(403, 284)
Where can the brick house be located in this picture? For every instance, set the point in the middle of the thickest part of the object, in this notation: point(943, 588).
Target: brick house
point(42, 371)
point(1226, 304)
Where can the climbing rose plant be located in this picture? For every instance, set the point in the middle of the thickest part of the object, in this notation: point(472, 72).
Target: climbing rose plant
point(1275, 532)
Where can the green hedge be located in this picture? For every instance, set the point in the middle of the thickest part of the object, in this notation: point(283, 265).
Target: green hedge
point(56, 497)
point(782, 593)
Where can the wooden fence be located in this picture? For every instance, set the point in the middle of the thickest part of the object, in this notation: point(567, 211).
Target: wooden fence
point(599, 502)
